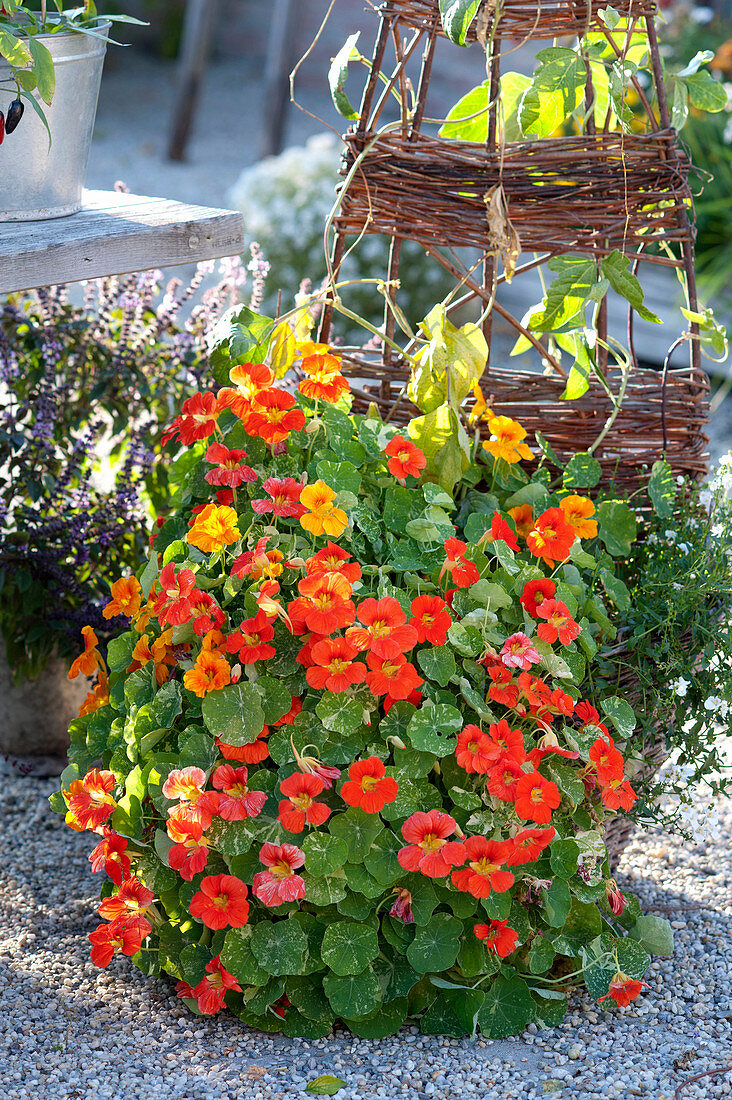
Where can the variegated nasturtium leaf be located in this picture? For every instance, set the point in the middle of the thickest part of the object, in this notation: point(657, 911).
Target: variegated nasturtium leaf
point(234, 714)
point(348, 947)
point(280, 947)
point(434, 729)
point(436, 944)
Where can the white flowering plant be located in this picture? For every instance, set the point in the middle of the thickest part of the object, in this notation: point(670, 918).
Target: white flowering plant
point(678, 644)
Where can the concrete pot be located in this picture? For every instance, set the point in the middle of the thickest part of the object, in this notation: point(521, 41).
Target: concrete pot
point(35, 715)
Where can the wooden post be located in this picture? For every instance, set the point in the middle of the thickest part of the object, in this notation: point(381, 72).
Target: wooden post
point(276, 86)
point(194, 51)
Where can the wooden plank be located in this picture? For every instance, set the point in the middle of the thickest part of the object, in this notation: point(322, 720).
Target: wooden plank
point(276, 82)
point(114, 234)
point(194, 51)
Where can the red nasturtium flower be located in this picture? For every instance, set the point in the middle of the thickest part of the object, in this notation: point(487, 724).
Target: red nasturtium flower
point(623, 989)
point(559, 625)
point(428, 849)
point(324, 604)
point(236, 802)
point(394, 677)
point(619, 794)
point(332, 559)
point(431, 619)
point(279, 883)
point(299, 807)
point(484, 873)
point(404, 458)
point(189, 854)
point(503, 778)
point(551, 538)
point(503, 532)
point(503, 689)
point(251, 641)
point(284, 498)
point(334, 667)
point(91, 802)
point(608, 760)
point(385, 632)
point(254, 753)
point(110, 856)
point(131, 899)
point(589, 716)
point(475, 752)
point(402, 907)
point(368, 786)
point(211, 990)
point(508, 742)
point(273, 416)
point(207, 615)
point(221, 902)
point(194, 803)
point(462, 572)
point(197, 419)
point(536, 797)
point(498, 937)
point(124, 935)
point(529, 844)
point(230, 470)
point(535, 593)
point(126, 598)
point(173, 601)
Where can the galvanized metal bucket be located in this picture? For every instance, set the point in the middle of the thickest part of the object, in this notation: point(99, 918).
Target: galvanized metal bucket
point(37, 182)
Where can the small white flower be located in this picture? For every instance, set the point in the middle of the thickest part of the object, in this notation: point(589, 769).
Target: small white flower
point(681, 686)
point(713, 702)
point(684, 547)
point(670, 535)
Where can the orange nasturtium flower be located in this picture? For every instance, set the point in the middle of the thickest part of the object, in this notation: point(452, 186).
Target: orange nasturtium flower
point(90, 799)
point(523, 517)
point(577, 511)
point(210, 673)
point(324, 370)
point(322, 518)
point(161, 652)
point(214, 528)
point(98, 697)
point(90, 660)
point(126, 598)
point(221, 902)
point(507, 440)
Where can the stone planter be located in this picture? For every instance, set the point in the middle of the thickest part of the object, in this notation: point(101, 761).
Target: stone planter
point(35, 715)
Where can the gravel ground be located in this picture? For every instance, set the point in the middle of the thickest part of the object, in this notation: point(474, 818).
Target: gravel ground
point(68, 1030)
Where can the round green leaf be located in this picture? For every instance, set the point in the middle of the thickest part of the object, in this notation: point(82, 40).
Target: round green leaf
point(281, 947)
point(234, 713)
point(324, 853)
point(435, 946)
point(434, 729)
point(507, 1009)
point(353, 995)
point(348, 947)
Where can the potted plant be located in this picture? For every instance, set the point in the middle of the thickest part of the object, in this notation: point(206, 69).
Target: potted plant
point(52, 58)
point(346, 762)
point(79, 385)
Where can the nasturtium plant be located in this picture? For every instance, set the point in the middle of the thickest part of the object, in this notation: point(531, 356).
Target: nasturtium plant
point(346, 762)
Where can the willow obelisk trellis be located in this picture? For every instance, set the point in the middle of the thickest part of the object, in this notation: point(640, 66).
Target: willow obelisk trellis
point(589, 193)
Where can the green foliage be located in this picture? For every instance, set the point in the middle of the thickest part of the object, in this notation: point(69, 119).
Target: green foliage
point(319, 917)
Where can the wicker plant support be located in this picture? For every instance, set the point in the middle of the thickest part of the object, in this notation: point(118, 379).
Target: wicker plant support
point(588, 194)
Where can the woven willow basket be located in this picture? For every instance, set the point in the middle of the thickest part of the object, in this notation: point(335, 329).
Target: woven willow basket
point(587, 194)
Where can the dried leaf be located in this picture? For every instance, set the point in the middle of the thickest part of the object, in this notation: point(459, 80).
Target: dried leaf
point(504, 238)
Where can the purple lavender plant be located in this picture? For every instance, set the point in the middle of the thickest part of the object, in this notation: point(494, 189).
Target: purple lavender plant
point(85, 392)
